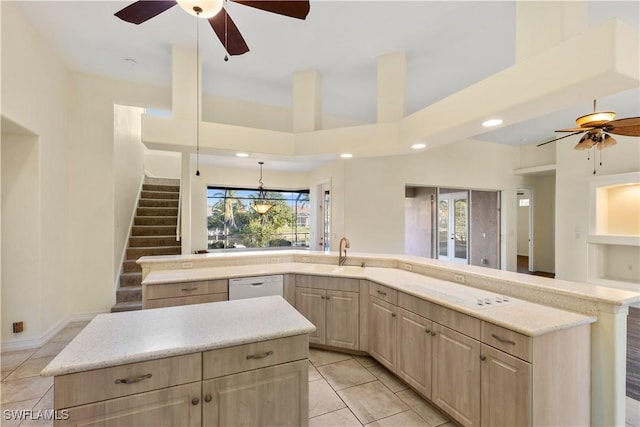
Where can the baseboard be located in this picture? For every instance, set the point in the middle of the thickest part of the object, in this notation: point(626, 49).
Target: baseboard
point(37, 342)
point(126, 246)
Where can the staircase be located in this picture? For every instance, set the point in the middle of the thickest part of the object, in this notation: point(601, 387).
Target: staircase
point(153, 233)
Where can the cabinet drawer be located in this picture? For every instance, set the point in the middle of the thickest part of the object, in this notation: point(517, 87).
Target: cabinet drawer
point(510, 342)
point(331, 283)
point(383, 293)
point(183, 289)
point(196, 299)
point(108, 383)
point(416, 305)
point(460, 322)
point(225, 361)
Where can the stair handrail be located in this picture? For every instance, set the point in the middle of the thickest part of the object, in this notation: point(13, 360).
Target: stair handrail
point(178, 225)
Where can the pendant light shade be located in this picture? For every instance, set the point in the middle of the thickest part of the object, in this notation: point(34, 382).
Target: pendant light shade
point(260, 204)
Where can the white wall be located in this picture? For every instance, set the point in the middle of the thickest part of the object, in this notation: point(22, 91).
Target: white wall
point(162, 164)
point(35, 89)
point(128, 173)
point(544, 233)
point(573, 174)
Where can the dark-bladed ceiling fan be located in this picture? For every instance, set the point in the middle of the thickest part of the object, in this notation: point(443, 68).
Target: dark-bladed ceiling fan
point(216, 13)
point(596, 127)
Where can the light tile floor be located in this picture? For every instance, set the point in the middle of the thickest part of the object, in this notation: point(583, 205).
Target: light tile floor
point(344, 390)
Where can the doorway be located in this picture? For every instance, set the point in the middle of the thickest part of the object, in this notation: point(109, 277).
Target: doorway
point(324, 225)
point(525, 251)
point(453, 226)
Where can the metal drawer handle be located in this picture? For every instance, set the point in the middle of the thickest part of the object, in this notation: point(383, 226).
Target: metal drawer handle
point(260, 355)
point(132, 380)
point(207, 398)
point(428, 331)
point(433, 333)
point(257, 284)
point(195, 401)
point(382, 293)
point(393, 315)
point(483, 358)
point(502, 340)
point(188, 289)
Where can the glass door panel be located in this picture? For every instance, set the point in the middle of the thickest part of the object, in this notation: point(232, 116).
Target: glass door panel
point(443, 229)
point(453, 227)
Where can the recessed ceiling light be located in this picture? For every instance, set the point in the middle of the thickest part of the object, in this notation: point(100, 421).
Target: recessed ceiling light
point(242, 155)
point(492, 122)
point(346, 155)
point(418, 146)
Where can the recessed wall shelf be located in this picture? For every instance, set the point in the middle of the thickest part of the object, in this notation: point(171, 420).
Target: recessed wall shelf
point(614, 231)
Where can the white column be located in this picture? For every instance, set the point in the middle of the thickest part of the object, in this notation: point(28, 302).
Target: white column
point(184, 87)
point(185, 204)
point(543, 24)
point(307, 101)
point(609, 366)
point(392, 87)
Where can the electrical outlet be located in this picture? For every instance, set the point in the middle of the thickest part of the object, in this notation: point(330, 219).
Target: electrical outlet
point(408, 267)
point(187, 264)
point(458, 278)
point(18, 327)
point(305, 259)
point(275, 260)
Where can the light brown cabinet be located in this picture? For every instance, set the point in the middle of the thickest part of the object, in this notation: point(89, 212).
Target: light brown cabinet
point(456, 375)
point(335, 314)
point(260, 383)
point(183, 293)
point(333, 306)
point(383, 324)
point(414, 350)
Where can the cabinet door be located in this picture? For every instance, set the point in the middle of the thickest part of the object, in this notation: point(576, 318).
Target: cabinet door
point(456, 375)
point(273, 396)
point(382, 332)
point(169, 407)
point(311, 303)
point(343, 318)
point(506, 400)
point(414, 351)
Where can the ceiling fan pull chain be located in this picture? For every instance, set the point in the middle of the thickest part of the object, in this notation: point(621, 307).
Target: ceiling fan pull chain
point(198, 94)
point(226, 18)
point(594, 159)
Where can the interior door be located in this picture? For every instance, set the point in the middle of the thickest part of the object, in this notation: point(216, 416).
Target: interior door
point(453, 227)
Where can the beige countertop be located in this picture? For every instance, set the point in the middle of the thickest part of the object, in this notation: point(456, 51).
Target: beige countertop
point(521, 316)
point(120, 338)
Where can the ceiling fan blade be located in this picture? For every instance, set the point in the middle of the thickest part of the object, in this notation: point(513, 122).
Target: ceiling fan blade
point(291, 8)
point(143, 10)
point(574, 129)
point(228, 33)
point(562, 137)
point(629, 126)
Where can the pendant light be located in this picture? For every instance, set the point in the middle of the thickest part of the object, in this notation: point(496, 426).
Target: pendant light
point(260, 204)
point(198, 10)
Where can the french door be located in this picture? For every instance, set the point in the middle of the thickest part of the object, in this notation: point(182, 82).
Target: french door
point(453, 227)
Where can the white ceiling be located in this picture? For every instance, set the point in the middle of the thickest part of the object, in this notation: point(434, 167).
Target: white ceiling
point(449, 46)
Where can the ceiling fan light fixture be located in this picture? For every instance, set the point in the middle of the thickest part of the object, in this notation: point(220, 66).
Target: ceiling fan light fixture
point(595, 119)
point(201, 8)
point(606, 142)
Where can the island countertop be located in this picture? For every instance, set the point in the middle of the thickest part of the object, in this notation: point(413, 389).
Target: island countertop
point(120, 338)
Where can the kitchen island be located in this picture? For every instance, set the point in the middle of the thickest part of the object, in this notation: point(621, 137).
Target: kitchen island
point(443, 294)
point(189, 365)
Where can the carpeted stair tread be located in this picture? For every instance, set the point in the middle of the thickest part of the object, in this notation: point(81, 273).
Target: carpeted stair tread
point(158, 203)
point(157, 211)
point(153, 230)
point(126, 306)
point(152, 241)
point(129, 293)
point(135, 253)
point(161, 181)
point(160, 195)
point(166, 188)
point(131, 266)
point(155, 220)
point(131, 279)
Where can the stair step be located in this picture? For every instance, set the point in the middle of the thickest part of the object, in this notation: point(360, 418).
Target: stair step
point(135, 253)
point(166, 188)
point(157, 212)
point(153, 230)
point(154, 241)
point(165, 195)
point(155, 220)
point(130, 266)
point(131, 279)
point(161, 181)
point(158, 203)
point(126, 306)
point(129, 294)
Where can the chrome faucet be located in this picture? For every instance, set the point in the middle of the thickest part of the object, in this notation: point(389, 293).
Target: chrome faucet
point(343, 258)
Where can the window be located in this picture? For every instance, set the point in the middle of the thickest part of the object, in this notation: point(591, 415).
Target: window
point(232, 223)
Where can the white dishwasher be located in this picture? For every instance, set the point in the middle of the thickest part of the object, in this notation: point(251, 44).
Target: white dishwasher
point(257, 286)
